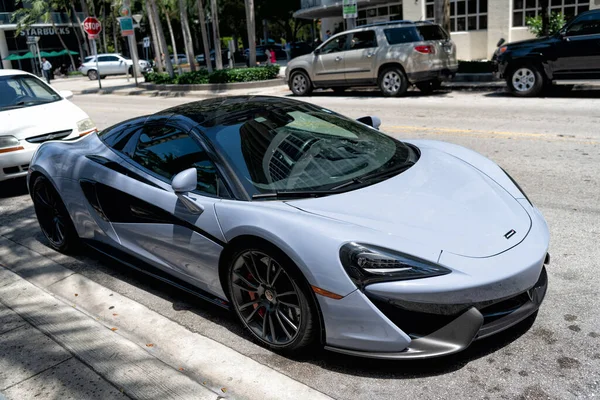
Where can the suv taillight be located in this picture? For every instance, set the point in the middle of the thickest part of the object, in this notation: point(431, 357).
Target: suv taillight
point(425, 49)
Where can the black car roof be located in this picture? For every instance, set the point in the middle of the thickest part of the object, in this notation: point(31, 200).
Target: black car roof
point(227, 110)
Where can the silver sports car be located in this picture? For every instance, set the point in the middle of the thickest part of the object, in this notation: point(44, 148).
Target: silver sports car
point(312, 227)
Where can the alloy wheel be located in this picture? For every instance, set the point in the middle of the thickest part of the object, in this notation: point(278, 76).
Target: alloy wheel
point(392, 82)
point(266, 298)
point(93, 75)
point(523, 79)
point(299, 84)
point(51, 215)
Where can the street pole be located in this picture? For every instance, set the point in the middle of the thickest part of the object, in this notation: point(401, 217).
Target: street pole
point(132, 45)
point(95, 52)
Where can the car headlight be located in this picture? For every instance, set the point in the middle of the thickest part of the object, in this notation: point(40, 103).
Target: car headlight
point(518, 187)
point(9, 143)
point(85, 125)
point(367, 264)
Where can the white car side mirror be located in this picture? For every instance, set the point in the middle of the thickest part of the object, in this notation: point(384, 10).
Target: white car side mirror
point(66, 94)
point(185, 181)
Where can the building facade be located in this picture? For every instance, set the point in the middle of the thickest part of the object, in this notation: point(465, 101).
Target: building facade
point(476, 25)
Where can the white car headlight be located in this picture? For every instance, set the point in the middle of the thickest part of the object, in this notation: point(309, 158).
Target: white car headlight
point(85, 125)
point(9, 143)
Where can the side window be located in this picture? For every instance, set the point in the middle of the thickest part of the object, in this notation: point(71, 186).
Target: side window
point(166, 150)
point(112, 58)
point(103, 59)
point(335, 45)
point(586, 25)
point(402, 35)
point(363, 40)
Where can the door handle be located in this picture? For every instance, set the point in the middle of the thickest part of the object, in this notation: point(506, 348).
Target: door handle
point(338, 59)
point(369, 55)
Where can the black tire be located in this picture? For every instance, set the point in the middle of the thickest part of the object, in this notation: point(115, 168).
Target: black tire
point(392, 82)
point(290, 325)
point(300, 84)
point(428, 87)
point(53, 217)
point(92, 75)
point(525, 81)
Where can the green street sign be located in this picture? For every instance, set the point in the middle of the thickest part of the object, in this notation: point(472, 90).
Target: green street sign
point(350, 9)
point(126, 25)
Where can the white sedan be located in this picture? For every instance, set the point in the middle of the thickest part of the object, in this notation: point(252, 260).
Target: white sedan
point(31, 113)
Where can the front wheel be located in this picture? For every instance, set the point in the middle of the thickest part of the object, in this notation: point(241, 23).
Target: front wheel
point(393, 82)
point(525, 81)
point(300, 84)
point(271, 299)
point(53, 216)
point(92, 75)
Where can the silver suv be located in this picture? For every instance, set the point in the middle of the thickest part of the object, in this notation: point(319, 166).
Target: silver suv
point(390, 55)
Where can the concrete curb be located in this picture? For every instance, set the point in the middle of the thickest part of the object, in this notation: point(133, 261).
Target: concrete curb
point(215, 87)
point(148, 335)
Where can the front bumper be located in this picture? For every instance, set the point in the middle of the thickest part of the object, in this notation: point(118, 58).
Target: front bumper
point(16, 163)
point(453, 333)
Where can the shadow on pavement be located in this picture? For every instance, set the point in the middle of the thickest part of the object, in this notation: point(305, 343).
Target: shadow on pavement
point(556, 92)
point(13, 188)
point(371, 93)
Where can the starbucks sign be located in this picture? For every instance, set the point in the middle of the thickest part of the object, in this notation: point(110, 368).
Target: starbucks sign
point(350, 9)
point(45, 31)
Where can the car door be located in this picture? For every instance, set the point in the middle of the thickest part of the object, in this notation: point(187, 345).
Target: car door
point(120, 65)
point(329, 64)
point(578, 53)
point(104, 67)
point(361, 57)
point(179, 234)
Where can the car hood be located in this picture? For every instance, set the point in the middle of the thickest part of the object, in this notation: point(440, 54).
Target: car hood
point(441, 201)
point(528, 42)
point(37, 120)
point(304, 58)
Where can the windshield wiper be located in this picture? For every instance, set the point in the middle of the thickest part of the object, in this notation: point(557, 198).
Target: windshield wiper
point(300, 194)
point(375, 175)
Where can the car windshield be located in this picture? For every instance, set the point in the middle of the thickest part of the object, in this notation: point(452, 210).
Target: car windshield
point(293, 148)
point(20, 91)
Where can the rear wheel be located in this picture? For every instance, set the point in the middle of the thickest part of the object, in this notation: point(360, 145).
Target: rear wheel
point(53, 216)
point(271, 299)
point(525, 81)
point(92, 74)
point(393, 82)
point(300, 84)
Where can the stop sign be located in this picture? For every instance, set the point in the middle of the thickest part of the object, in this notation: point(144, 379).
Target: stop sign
point(92, 26)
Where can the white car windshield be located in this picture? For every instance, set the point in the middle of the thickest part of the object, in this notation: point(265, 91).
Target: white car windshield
point(20, 91)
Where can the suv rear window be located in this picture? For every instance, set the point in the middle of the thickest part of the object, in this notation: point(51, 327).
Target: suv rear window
point(414, 34)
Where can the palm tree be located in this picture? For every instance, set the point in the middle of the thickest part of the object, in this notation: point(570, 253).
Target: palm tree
point(205, 44)
point(214, 11)
point(155, 42)
point(160, 35)
point(167, 8)
point(187, 35)
point(250, 22)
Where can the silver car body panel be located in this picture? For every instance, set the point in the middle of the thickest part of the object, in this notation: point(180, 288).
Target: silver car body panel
point(452, 207)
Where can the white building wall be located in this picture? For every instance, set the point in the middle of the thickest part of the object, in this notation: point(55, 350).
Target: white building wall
point(594, 4)
point(471, 45)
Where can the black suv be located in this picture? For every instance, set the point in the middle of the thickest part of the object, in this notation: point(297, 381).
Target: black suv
point(571, 54)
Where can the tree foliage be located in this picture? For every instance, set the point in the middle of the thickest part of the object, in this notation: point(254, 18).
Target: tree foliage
point(555, 24)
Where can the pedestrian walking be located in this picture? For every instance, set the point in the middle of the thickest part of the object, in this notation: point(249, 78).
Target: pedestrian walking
point(268, 54)
point(273, 56)
point(288, 51)
point(327, 34)
point(47, 69)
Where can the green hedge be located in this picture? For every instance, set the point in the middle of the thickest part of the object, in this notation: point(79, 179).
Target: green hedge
point(474, 67)
point(221, 76)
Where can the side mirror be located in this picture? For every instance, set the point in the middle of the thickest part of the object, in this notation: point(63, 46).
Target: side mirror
point(317, 52)
point(500, 42)
point(66, 94)
point(185, 181)
point(372, 121)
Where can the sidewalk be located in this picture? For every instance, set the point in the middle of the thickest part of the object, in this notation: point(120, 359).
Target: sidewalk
point(63, 335)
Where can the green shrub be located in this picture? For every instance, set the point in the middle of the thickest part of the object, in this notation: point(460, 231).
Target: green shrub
point(474, 67)
point(221, 76)
point(555, 23)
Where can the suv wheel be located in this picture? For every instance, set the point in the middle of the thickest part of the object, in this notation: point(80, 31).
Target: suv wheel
point(393, 82)
point(300, 84)
point(93, 75)
point(525, 81)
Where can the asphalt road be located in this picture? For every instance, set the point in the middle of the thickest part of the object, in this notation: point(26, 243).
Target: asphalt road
point(551, 146)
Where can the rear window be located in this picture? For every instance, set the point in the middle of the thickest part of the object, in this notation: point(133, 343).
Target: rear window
point(414, 34)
